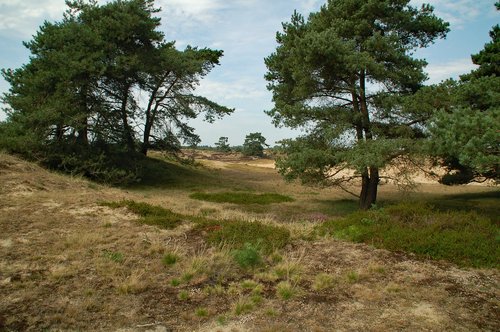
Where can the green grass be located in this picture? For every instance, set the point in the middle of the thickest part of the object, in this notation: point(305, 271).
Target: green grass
point(237, 234)
point(116, 257)
point(201, 312)
point(169, 259)
point(150, 214)
point(285, 290)
point(242, 198)
point(464, 238)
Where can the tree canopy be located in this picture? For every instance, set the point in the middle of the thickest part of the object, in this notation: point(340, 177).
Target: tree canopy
point(340, 76)
point(464, 132)
point(254, 145)
point(103, 78)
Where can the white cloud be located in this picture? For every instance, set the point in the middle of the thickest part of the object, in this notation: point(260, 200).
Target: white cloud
point(309, 6)
point(195, 10)
point(452, 69)
point(457, 12)
point(227, 91)
point(23, 17)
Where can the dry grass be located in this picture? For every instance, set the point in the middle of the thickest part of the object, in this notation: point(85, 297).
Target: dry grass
point(67, 263)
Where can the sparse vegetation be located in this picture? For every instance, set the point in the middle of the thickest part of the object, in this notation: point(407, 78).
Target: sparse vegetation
point(236, 234)
point(187, 239)
point(242, 262)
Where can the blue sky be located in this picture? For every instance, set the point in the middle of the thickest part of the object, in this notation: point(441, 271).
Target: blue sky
point(245, 30)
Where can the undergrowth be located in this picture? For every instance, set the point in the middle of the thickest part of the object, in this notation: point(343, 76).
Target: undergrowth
point(242, 198)
point(464, 238)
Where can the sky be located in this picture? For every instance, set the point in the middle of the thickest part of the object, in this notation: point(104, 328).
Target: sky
point(245, 30)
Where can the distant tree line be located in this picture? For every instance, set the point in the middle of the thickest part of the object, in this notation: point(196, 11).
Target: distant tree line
point(254, 145)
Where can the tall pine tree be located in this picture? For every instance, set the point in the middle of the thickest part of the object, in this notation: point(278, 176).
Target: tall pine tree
point(333, 74)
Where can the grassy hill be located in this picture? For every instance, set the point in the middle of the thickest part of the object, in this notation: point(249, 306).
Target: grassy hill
point(227, 245)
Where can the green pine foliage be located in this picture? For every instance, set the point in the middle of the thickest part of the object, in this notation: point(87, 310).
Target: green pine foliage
point(78, 95)
point(254, 145)
point(319, 77)
point(464, 132)
point(248, 256)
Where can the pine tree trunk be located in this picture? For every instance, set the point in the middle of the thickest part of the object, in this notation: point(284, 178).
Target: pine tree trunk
point(147, 133)
point(369, 188)
point(127, 130)
point(370, 177)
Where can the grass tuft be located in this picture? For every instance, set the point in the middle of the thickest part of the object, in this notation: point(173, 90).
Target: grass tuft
point(243, 305)
point(116, 257)
point(201, 312)
point(170, 259)
point(323, 281)
point(242, 198)
point(285, 290)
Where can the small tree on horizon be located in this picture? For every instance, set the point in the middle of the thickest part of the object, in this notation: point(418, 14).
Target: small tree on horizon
point(223, 144)
point(254, 145)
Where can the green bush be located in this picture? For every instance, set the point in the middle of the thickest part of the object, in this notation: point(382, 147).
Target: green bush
point(236, 234)
point(242, 198)
point(248, 256)
point(464, 238)
point(150, 214)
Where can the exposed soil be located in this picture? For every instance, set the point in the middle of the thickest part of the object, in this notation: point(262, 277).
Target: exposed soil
point(67, 263)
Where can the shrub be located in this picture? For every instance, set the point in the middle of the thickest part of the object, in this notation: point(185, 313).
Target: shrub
point(242, 198)
point(464, 238)
point(247, 257)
